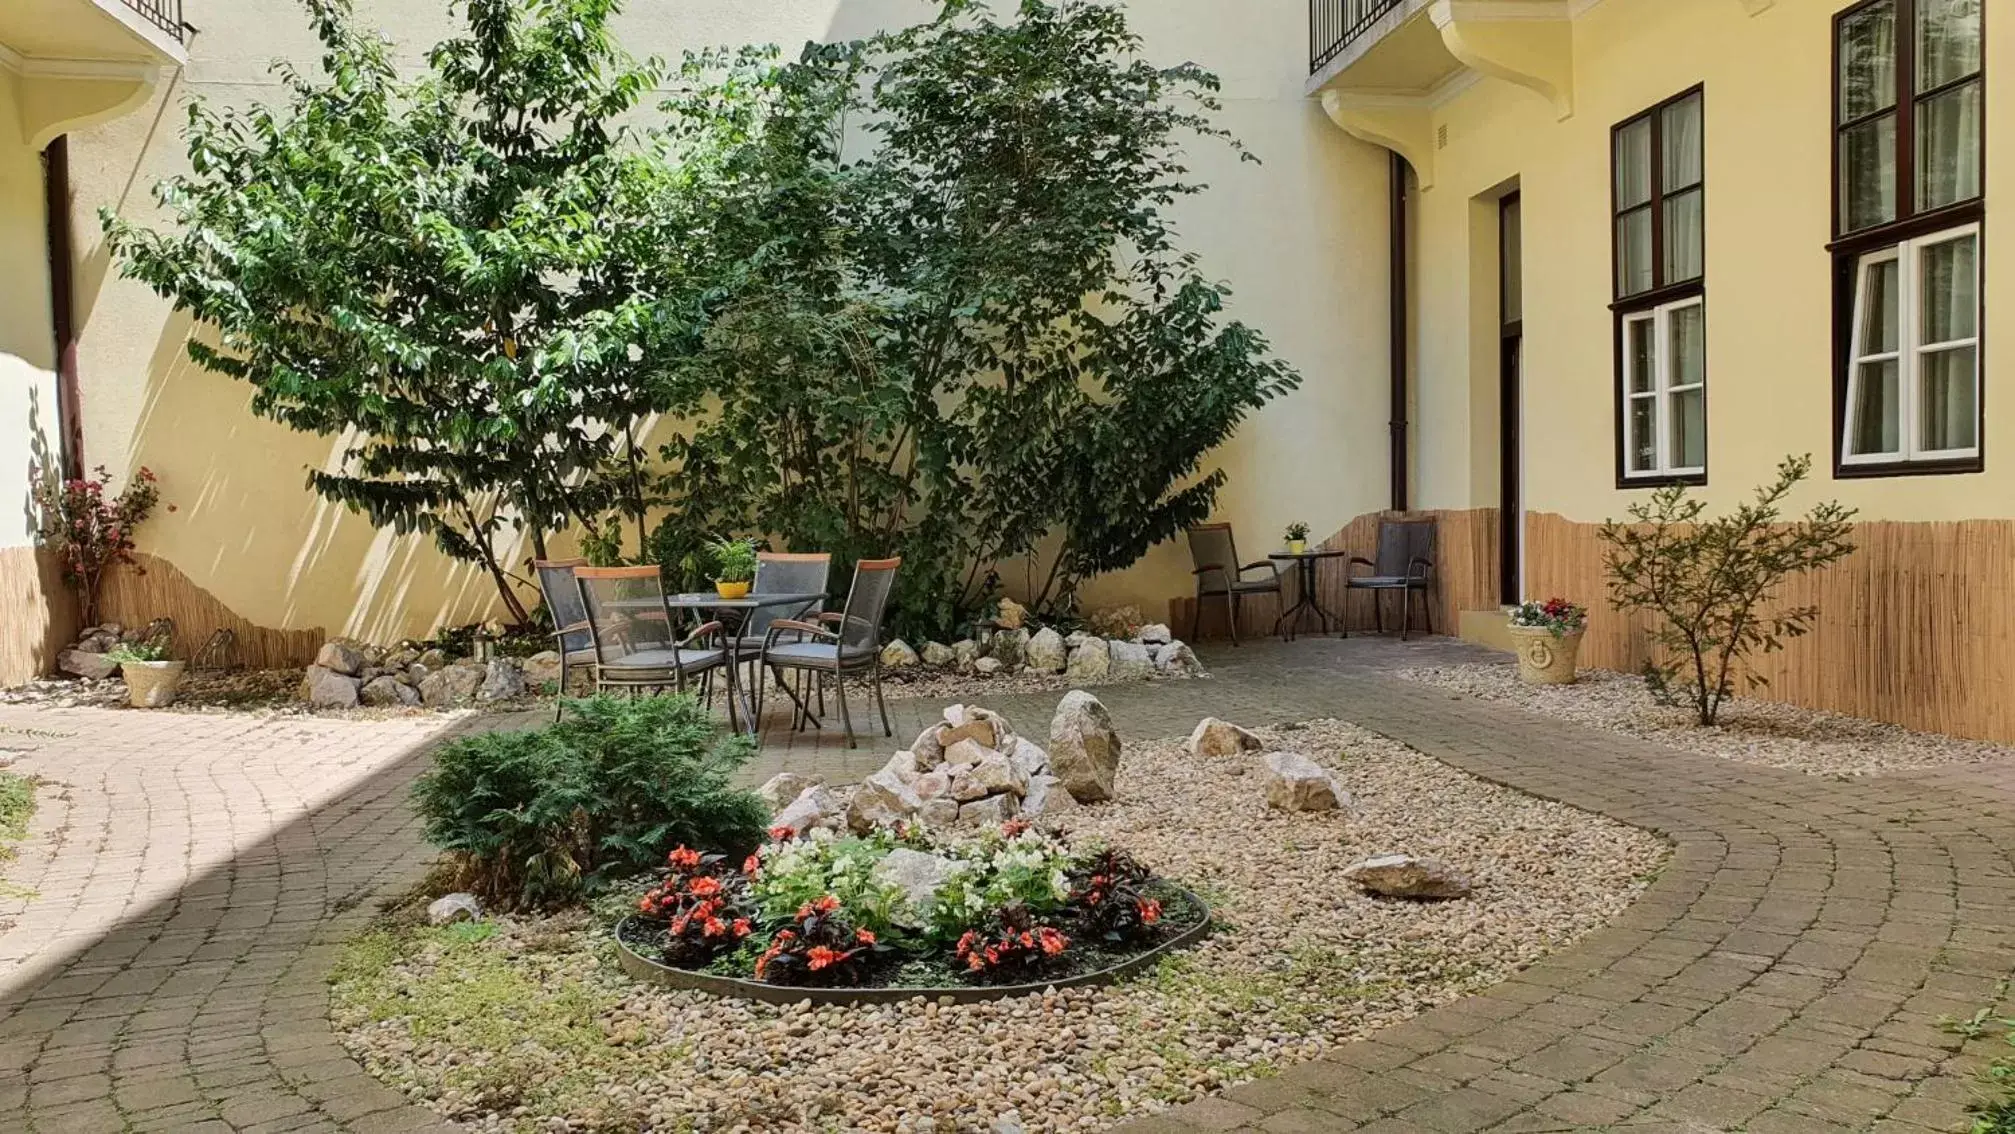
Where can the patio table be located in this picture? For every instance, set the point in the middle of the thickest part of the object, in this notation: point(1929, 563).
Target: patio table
point(712, 603)
point(1306, 602)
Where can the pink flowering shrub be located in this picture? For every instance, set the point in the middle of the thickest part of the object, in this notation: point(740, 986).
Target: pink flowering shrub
point(90, 529)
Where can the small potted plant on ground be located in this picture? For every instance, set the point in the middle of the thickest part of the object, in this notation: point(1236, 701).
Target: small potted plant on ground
point(151, 679)
point(1297, 538)
point(1548, 638)
point(734, 566)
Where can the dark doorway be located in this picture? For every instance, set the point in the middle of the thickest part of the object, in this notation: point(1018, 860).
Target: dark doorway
point(1511, 354)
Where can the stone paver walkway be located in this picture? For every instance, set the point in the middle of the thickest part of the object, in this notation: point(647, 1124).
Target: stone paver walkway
point(194, 877)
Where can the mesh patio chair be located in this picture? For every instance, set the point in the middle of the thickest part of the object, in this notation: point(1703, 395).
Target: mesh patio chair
point(835, 645)
point(634, 637)
point(1219, 575)
point(1405, 564)
point(571, 636)
point(779, 573)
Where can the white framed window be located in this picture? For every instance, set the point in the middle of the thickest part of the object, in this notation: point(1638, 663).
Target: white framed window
point(1913, 363)
point(1664, 393)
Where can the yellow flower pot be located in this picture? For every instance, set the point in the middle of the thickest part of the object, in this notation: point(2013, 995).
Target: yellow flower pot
point(1544, 659)
point(1297, 547)
point(731, 590)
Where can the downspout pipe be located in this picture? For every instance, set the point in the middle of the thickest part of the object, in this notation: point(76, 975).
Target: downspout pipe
point(62, 308)
point(1396, 277)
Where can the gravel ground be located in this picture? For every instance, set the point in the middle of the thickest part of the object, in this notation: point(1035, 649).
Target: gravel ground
point(952, 687)
point(1755, 732)
point(533, 1029)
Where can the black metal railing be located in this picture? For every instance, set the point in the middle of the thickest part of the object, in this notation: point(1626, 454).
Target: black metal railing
point(1335, 24)
point(163, 14)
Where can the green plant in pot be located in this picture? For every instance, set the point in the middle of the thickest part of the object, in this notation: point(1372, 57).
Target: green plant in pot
point(151, 679)
point(734, 566)
point(1296, 537)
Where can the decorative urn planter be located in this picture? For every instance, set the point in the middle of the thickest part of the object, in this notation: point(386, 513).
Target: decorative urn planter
point(1546, 658)
point(152, 684)
point(729, 590)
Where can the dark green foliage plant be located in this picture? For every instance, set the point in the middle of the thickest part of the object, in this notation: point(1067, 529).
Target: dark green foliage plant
point(540, 816)
point(1710, 582)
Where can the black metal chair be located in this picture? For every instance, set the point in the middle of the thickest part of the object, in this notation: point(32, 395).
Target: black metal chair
point(1405, 564)
point(572, 638)
point(779, 573)
point(1219, 575)
point(635, 638)
point(854, 647)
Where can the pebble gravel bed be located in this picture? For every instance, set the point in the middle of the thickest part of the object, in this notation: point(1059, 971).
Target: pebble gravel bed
point(532, 1028)
point(1752, 731)
point(952, 687)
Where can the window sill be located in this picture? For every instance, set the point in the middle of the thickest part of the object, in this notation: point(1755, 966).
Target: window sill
point(1871, 471)
point(1661, 480)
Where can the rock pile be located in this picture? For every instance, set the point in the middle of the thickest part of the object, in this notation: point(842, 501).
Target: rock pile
point(347, 674)
point(1081, 656)
point(86, 656)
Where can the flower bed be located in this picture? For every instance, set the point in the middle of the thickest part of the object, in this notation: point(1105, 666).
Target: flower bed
point(902, 911)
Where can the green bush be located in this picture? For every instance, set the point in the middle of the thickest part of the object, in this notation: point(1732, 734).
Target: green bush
point(541, 816)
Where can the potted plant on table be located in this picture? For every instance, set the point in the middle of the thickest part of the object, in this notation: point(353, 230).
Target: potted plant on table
point(151, 679)
point(1548, 638)
point(734, 566)
point(1297, 538)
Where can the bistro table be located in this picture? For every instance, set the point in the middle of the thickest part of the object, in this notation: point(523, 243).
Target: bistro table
point(712, 603)
point(1306, 602)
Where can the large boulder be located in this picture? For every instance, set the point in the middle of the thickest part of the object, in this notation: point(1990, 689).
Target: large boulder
point(388, 691)
point(1405, 876)
point(502, 681)
point(455, 685)
point(1084, 748)
point(1296, 783)
point(918, 875)
point(1154, 634)
point(324, 688)
point(1214, 738)
point(898, 655)
point(1177, 660)
point(938, 654)
point(1089, 661)
point(541, 670)
point(816, 806)
point(1046, 652)
point(882, 800)
point(779, 790)
point(1130, 661)
point(341, 657)
point(92, 664)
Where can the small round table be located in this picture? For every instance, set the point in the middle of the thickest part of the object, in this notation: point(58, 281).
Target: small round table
point(1306, 601)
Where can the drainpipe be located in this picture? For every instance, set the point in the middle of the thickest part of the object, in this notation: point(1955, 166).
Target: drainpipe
point(1397, 303)
point(62, 311)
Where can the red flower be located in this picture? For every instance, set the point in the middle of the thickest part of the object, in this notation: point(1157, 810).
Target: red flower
point(751, 863)
point(704, 887)
point(864, 937)
point(1052, 941)
point(685, 858)
point(783, 833)
point(1150, 911)
point(821, 957)
point(714, 927)
point(741, 927)
point(1014, 827)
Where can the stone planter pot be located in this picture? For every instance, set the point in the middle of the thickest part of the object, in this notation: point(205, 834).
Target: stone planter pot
point(152, 684)
point(1544, 659)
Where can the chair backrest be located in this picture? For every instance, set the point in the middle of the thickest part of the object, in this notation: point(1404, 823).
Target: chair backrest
point(785, 573)
point(1214, 554)
point(626, 611)
point(867, 602)
point(563, 599)
point(1400, 542)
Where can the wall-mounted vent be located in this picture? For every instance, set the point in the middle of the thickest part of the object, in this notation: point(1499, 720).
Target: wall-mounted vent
point(1441, 136)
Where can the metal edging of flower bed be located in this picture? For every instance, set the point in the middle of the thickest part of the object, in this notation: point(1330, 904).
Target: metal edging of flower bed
point(643, 968)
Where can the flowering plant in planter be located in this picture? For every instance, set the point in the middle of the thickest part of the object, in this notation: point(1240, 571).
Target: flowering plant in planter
point(90, 529)
point(820, 948)
point(705, 905)
point(1106, 896)
point(1016, 950)
point(1556, 615)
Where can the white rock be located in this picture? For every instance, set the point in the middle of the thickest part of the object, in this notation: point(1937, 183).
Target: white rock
point(1046, 652)
point(1084, 748)
point(1130, 661)
point(928, 750)
point(1177, 660)
point(782, 788)
point(1154, 634)
point(450, 908)
point(816, 806)
point(502, 681)
point(903, 766)
point(1029, 757)
point(1214, 738)
point(968, 751)
point(940, 812)
point(898, 655)
point(882, 800)
point(1075, 638)
point(991, 811)
point(1047, 797)
point(989, 667)
point(341, 657)
point(965, 654)
point(931, 785)
point(1405, 876)
point(1089, 661)
point(918, 875)
point(997, 773)
point(938, 654)
point(1009, 648)
point(324, 688)
point(1296, 783)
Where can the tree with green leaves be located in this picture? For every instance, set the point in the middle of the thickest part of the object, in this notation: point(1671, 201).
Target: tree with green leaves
point(1711, 582)
point(456, 273)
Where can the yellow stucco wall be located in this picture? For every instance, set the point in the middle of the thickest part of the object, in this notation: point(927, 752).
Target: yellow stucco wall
point(1768, 274)
point(27, 350)
point(1301, 237)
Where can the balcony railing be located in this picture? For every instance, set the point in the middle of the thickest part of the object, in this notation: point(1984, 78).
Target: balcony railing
point(163, 14)
point(1334, 25)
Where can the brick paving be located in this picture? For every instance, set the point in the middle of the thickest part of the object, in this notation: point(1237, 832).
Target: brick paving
point(193, 877)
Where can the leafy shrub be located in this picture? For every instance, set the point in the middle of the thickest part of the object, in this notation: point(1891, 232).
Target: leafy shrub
point(821, 948)
point(1708, 581)
point(1106, 897)
point(796, 871)
point(90, 529)
point(537, 816)
point(1017, 949)
point(704, 904)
